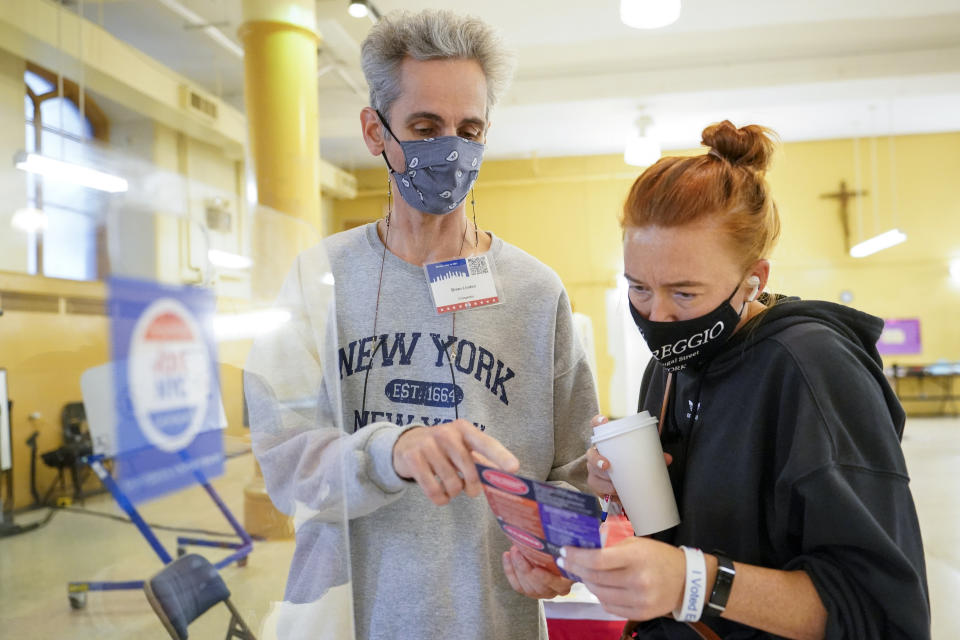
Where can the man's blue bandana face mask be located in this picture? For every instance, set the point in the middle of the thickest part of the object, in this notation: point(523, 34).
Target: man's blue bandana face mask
point(439, 172)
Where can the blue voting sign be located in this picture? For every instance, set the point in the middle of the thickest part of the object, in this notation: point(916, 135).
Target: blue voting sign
point(166, 387)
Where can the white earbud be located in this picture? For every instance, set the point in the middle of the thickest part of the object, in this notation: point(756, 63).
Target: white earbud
point(754, 282)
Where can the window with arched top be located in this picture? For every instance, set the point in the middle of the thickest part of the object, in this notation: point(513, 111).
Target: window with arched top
point(63, 123)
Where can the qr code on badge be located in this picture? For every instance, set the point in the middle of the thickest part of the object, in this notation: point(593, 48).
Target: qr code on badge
point(477, 265)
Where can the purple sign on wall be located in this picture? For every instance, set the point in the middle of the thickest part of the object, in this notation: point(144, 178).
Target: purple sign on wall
point(900, 337)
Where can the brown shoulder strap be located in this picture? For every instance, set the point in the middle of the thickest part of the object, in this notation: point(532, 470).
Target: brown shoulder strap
point(702, 630)
point(666, 402)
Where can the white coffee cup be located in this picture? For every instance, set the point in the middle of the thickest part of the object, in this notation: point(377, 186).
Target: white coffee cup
point(638, 471)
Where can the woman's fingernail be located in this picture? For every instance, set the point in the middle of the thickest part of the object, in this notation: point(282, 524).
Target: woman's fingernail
point(560, 562)
point(563, 552)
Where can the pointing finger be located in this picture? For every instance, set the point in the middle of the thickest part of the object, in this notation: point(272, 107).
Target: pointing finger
point(490, 448)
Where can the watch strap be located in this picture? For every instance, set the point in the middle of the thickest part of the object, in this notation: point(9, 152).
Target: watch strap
point(721, 586)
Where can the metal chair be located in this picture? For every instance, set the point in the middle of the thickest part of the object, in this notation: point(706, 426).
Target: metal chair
point(184, 589)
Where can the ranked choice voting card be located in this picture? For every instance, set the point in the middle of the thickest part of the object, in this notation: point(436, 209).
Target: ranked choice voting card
point(541, 518)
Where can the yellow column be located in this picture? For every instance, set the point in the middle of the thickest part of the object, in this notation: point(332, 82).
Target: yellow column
point(280, 92)
point(280, 87)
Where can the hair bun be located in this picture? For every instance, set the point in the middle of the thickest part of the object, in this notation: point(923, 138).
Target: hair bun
point(751, 146)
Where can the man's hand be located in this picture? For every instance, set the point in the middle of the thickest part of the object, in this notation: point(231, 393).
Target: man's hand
point(441, 459)
point(530, 580)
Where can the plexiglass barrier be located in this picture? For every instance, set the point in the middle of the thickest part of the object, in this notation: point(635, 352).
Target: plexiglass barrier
point(170, 395)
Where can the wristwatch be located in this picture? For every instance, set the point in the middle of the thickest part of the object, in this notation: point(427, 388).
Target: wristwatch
point(721, 587)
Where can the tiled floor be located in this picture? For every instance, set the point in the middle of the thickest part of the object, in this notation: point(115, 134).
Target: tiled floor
point(35, 567)
point(932, 449)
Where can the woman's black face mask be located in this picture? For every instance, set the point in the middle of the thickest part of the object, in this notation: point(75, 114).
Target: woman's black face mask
point(689, 343)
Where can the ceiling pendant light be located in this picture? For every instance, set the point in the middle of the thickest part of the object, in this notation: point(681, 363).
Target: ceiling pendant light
point(362, 9)
point(893, 236)
point(642, 150)
point(649, 14)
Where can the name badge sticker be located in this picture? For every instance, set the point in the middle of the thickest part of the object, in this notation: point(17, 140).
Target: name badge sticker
point(462, 284)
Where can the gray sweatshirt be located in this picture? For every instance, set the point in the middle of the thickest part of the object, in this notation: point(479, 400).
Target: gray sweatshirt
point(519, 374)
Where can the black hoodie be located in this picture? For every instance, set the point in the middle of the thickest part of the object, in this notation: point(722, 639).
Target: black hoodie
point(787, 455)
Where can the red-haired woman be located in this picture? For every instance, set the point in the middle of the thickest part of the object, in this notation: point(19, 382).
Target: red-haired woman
point(783, 432)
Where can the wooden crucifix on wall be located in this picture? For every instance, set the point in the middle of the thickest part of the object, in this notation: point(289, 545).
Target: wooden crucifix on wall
point(844, 196)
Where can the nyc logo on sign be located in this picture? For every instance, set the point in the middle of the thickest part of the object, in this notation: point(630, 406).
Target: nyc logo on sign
point(169, 371)
point(165, 376)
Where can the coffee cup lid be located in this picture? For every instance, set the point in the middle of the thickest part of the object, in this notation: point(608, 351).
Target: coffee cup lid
point(622, 426)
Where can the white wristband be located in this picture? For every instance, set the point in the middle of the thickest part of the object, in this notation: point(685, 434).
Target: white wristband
point(694, 589)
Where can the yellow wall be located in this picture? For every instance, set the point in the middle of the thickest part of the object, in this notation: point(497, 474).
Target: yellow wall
point(910, 280)
point(44, 354)
point(564, 211)
point(46, 351)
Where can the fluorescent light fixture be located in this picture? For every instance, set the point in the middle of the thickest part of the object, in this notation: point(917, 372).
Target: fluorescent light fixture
point(955, 271)
point(641, 151)
point(69, 172)
point(649, 14)
point(243, 326)
point(227, 260)
point(29, 220)
point(883, 241)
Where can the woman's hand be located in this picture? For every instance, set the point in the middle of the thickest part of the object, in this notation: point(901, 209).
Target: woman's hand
point(598, 467)
point(638, 579)
point(530, 580)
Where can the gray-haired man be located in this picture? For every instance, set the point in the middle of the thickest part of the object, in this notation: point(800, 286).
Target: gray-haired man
point(422, 393)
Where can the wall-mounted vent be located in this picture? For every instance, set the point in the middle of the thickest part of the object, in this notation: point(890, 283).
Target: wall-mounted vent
point(86, 306)
point(34, 302)
point(47, 303)
point(196, 103)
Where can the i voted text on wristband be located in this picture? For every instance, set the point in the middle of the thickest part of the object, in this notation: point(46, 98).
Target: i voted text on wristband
point(694, 589)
